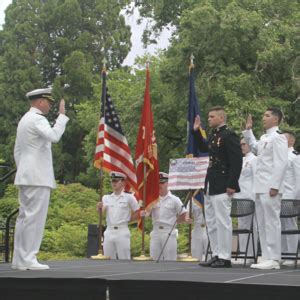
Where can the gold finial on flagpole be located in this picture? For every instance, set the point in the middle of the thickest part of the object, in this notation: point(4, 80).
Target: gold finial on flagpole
point(104, 62)
point(191, 62)
point(192, 59)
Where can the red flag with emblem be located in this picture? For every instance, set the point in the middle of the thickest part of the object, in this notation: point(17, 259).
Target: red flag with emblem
point(146, 153)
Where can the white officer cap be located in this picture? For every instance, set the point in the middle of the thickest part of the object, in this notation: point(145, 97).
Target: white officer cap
point(40, 93)
point(117, 175)
point(163, 177)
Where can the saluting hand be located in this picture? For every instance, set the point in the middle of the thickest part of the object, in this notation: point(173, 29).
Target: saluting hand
point(197, 123)
point(249, 122)
point(62, 109)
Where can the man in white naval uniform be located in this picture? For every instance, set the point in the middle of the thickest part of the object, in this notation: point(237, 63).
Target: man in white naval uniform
point(199, 238)
point(272, 160)
point(165, 214)
point(35, 176)
point(246, 182)
point(119, 207)
point(289, 243)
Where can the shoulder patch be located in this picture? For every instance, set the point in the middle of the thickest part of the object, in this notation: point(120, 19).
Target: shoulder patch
point(279, 131)
point(296, 152)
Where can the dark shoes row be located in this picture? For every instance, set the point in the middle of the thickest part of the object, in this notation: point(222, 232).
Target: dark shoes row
point(216, 262)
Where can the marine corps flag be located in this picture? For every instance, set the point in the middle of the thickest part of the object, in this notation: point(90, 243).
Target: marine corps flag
point(147, 170)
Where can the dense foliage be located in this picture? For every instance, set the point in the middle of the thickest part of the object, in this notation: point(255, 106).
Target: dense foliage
point(72, 207)
point(246, 56)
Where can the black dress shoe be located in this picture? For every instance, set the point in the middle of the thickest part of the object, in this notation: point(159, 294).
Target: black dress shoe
point(221, 263)
point(209, 262)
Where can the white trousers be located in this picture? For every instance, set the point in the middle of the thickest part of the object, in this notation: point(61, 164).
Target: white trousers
point(269, 226)
point(199, 242)
point(116, 243)
point(30, 224)
point(245, 223)
point(219, 224)
point(289, 243)
point(158, 238)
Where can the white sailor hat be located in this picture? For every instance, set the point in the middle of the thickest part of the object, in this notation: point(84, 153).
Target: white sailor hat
point(163, 177)
point(40, 93)
point(117, 175)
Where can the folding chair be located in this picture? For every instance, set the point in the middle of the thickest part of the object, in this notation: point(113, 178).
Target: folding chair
point(290, 209)
point(241, 208)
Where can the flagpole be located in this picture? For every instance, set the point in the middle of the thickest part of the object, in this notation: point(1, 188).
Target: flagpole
point(189, 257)
point(143, 256)
point(190, 228)
point(100, 255)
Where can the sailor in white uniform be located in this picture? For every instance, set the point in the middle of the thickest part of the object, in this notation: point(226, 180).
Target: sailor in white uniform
point(199, 238)
point(272, 160)
point(246, 182)
point(289, 243)
point(35, 176)
point(165, 214)
point(120, 208)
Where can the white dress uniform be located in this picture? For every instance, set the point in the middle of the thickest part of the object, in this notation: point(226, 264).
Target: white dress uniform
point(289, 243)
point(35, 178)
point(164, 215)
point(199, 239)
point(272, 159)
point(117, 235)
point(246, 182)
point(297, 193)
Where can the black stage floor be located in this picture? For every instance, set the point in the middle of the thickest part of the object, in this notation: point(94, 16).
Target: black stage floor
point(148, 280)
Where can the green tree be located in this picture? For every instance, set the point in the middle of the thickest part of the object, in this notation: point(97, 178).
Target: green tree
point(244, 55)
point(58, 42)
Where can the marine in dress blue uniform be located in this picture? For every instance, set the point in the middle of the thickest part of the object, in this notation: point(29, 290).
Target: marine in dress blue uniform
point(221, 182)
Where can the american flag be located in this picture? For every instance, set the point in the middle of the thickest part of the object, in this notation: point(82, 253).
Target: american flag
point(187, 173)
point(112, 150)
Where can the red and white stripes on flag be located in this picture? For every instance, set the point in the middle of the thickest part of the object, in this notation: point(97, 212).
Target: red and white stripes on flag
point(187, 173)
point(112, 150)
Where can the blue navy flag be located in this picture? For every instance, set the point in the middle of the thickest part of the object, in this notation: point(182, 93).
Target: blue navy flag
point(193, 111)
point(198, 198)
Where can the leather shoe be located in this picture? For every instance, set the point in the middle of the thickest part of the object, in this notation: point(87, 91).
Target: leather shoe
point(35, 266)
point(221, 263)
point(266, 265)
point(209, 262)
point(288, 263)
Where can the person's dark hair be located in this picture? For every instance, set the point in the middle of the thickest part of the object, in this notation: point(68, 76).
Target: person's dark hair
point(216, 108)
point(276, 112)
